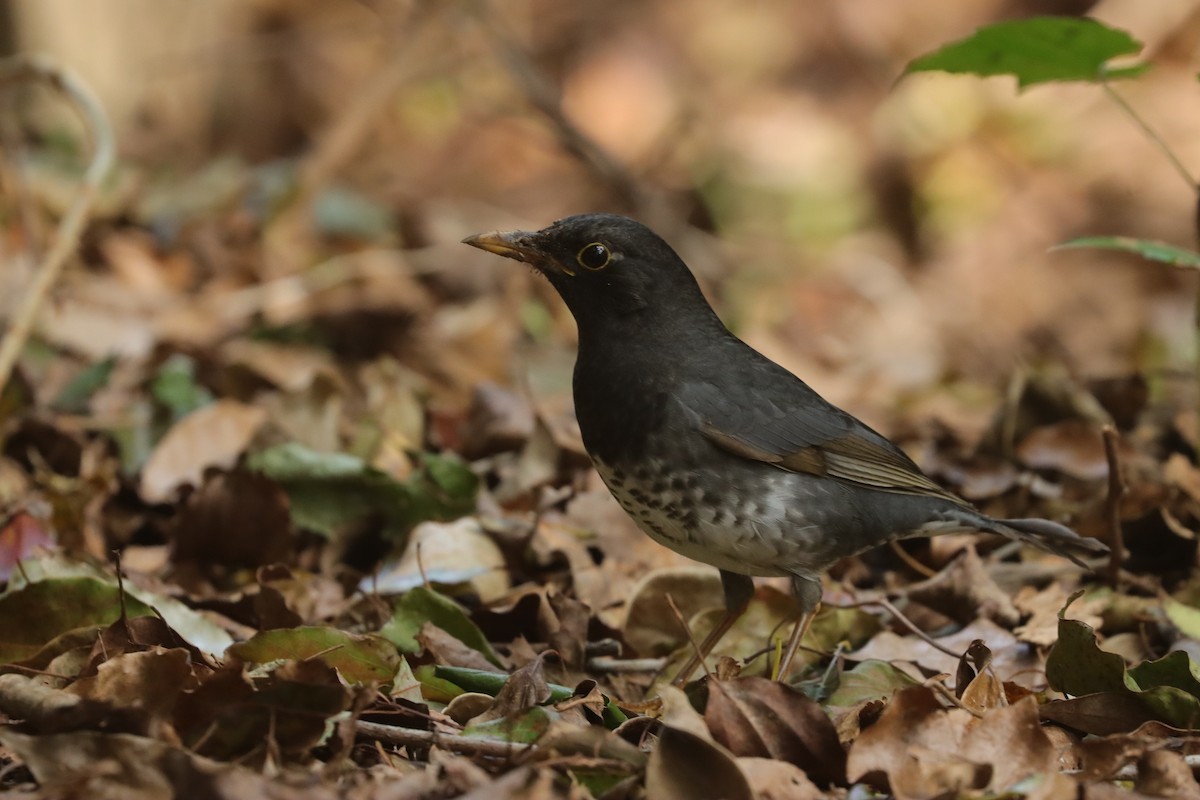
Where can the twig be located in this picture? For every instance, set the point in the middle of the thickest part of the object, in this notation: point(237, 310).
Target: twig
point(545, 98)
point(700, 654)
point(890, 607)
point(912, 626)
point(411, 737)
point(940, 688)
point(1112, 504)
point(912, 563)
point(66, 237)
point(1158, 141)
point(612, 666)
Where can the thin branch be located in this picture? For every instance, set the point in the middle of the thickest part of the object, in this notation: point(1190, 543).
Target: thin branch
point(410, 737)
point(699, 653)
point(912, 563)
point(544, 97)
point(613, 666)
point(1158, 141)
point(66, 238)
point(1112, 504)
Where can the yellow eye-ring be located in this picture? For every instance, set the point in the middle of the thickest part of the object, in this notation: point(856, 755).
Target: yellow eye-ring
point(594, 256)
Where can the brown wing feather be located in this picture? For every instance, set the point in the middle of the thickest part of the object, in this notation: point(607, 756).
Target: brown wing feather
point(851, 459)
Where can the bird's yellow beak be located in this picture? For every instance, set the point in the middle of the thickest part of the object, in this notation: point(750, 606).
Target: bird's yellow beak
point(518, 245)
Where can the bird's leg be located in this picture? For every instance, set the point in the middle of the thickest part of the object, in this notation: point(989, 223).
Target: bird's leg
point(808, 595)
point(738, 591)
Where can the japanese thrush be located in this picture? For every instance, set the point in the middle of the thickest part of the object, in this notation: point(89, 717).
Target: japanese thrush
point(713, 449)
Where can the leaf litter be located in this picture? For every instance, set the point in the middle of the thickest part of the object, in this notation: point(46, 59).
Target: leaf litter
point(362, 553)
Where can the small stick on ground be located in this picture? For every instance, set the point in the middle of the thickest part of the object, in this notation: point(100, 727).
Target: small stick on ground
point(683, 624)
point(1112, 504)
point(66, 238)
point(410, 737)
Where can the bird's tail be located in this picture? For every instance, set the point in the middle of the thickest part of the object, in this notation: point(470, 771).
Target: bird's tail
point(1048, 536)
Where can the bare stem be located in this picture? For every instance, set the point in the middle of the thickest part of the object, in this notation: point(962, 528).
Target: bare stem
point(1112, 504)
point(70, 227)
point(410, 737)
point(1158, 141)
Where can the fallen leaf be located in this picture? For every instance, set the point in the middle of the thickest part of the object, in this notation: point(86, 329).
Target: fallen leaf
point(358, 659)
point(213, 436)
point(684, 766)
point(449, 553)
point(767, 719)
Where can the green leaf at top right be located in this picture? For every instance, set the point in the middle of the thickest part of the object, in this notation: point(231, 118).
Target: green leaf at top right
point(1038, 50)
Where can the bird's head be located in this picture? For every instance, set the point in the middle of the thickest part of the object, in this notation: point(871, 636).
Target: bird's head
point(608, 269)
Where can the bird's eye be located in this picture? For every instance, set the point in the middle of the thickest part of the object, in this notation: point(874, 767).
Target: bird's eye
point(594, 256)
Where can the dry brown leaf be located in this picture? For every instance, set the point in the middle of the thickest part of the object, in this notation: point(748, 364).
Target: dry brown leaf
point(777, 780)
point(684, 766)
point(1162, 773)
point(756, 717)
point(448, 553)
point(963, 591)
point(1100, 714)
point(650, 625)
point(524, 689)
point(213, 436)
point(122, 766)
point(1073, 447)
point(1043, 607)
point(677, 712)
point(237, 518)
point(927, 750)
point(146, 684)
point(448, 650)
point(1011, 660)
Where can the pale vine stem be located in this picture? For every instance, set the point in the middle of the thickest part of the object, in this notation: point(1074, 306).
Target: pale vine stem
point(1183, 172)
point(29, 68)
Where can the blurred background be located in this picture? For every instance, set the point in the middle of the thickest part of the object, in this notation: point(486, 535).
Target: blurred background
point(293, 165)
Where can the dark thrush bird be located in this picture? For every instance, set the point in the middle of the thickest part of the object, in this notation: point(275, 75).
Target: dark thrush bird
point(713, 449)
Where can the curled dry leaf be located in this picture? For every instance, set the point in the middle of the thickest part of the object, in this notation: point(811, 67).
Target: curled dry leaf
point(684, 766)
point(650, 625)
point(778, 780)
point(677, 712)
point(767, 719)
point(964, 591)
point(446, 553)
point(524, 689)
point(1073, 447)
point(1162, 773)
point(144, 684)
point(104, 765)
point(213, 436)
point(926, 750)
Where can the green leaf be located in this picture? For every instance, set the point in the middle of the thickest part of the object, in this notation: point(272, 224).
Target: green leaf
point(420, 605)
point(76, 395)
point(32, 616)
point(1146, 248)
point(330, 490)
point(1168, 688)
point(1184, 617)
point(1077, 666)
point(870, 680)
point(1037, 50)
point(484, 682)
point(175, 388)
point(433, 688)
point(340, 211)
point(523, 728)
point(358, 659)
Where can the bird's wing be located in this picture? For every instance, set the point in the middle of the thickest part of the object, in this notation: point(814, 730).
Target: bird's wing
point(806, 434)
